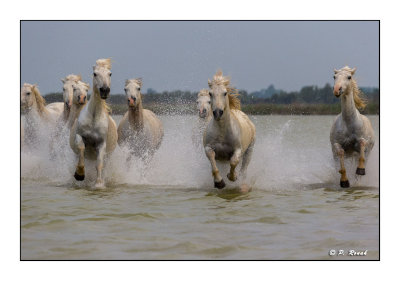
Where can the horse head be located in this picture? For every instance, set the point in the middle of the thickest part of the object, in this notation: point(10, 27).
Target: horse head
point(132, 92)
point(204, 103)
point(102, 77)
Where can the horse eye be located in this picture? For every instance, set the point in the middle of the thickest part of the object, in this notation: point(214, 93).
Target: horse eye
point(209, 102)
point(28, 93)
point(334, 77)
point(349, 77)
point(94, 74)
point(125, 91)
point(110, 74)
point(210, 94)
point(225, 93)
point(138, 89)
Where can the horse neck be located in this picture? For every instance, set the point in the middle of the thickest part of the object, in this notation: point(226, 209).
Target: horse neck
point(95, 104)
point(349, 110)
point(136, 117)
point(66, 112)
point(38, 112)
point(74, 112)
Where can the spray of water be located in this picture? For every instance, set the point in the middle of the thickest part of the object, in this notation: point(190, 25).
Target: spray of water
point(287, 155)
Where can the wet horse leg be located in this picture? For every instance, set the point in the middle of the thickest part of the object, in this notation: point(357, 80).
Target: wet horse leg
point(234, 161)
point(361, 160)
point(218, 181)
point(101, 151)
point(80, 168)
point(344, 182)
point(246, 160)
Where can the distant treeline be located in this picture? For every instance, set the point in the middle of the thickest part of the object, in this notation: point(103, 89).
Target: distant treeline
point(309, 100)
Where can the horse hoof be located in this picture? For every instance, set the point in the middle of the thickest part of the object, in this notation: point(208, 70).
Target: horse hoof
point(231, 178)
point(344, 184)
point(220, 184)
point(360, 171)
point(79, 177)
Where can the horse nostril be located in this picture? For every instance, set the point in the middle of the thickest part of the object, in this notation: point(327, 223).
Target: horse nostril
point(340, 89)
point(134, 99)
point(204, 110)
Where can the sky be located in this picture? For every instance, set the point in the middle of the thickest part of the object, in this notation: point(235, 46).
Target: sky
point(173, 55)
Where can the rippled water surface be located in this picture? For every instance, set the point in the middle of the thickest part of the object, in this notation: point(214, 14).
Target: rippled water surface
point(170, 210)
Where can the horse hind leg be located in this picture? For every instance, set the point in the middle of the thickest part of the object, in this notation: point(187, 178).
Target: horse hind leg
point(344, 182)
point(246, 160)
point(361, 160)
point(80, 168)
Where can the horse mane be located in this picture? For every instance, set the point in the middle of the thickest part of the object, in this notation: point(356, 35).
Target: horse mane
point(40, 101)
point(219, 79)
point(106, 63)
point(358, 96)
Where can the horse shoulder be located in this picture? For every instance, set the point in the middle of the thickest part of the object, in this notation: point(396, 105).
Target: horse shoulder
point(246, 125)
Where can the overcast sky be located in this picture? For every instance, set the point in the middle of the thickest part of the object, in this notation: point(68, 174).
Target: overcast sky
point(183, 55)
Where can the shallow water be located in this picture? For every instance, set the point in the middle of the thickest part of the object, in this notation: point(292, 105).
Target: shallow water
point(170, 210)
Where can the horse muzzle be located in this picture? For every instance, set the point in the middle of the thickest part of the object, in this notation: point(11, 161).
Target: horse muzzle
point(337, 91)
point(218, 114)
point(203, 113)
point(132, 102)
point(82, 99)
point(104, 92)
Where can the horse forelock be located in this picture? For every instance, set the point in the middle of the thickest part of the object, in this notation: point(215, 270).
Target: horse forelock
point(73, 77)
point(106, 63)
point(203, 93)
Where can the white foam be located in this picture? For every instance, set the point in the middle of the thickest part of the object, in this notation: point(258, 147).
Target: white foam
point(285, 156)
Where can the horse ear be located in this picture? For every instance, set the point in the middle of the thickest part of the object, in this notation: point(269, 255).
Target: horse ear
point(353, 70)
point(126, 82)
point(87, 85)
point(140, 81)
point(63, 80)
point(209, 83)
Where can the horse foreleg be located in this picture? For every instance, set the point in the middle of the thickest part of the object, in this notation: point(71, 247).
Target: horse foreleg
point(361, 160)
point(218, 181)
point(101, 152)
point(246, 160)
point(344, 182)
point(80, 168)
point(234, 161)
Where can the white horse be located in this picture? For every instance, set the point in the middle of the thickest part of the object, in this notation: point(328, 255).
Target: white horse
point(78, 101)
point(94, 133)
point(351, 131)
point(37, 112)
point(139, 129)
point(68, 82)
point(204, 110)
point(230, 135)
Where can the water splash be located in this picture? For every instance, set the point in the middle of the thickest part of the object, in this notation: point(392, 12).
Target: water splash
point(291, 152)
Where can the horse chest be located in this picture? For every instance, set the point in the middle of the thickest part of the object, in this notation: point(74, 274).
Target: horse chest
point(223, 151)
